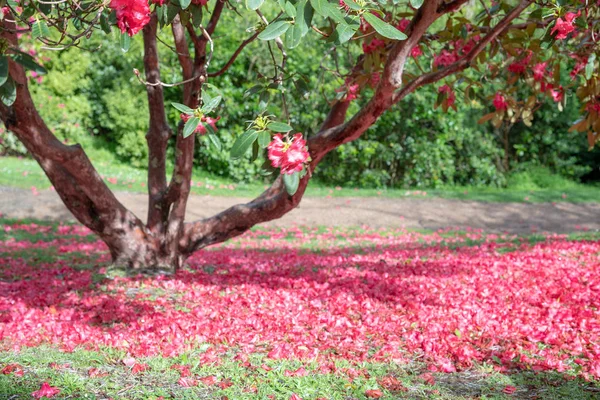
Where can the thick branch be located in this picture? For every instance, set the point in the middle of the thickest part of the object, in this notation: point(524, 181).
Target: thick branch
point(158, 132)
point(275, 202)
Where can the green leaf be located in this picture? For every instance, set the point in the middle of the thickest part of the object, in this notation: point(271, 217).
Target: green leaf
point(383, 28)
point(289, 9)
point(589, 67)
point(264, 138)
point(304, 16)
point(3, 70)
point(183, 108)
point(28, 62)
point(211, 104)
point(293, 36)
point(243, 143)
point(254, 4)
point(274, 30)
point(172, 12)
point(190, 126)
point(346, 31)
point(8, 93)
point(291, 182)
point(352, 5)
point(39, 29)
point(279, 127)
point(320, 6)
point(184, 4)
point(253, 90)
point(334, 12)
point(416, 3)
point(196, 12)
point(214, 139)
point(125, 42)
point(255, 151)
point(104, 24)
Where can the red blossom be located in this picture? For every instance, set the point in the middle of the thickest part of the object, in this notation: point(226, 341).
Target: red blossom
point(289, 155)
point(449, 94)
point(374, 394)
point(508, 389)
point(137, 368)
point(563, 27)
point(539, 71)
point(14, 369)
point(45, 391)
point(132, 15)
point(445, 58)
point(209, 380)
point(373, 45)
point(500, 102)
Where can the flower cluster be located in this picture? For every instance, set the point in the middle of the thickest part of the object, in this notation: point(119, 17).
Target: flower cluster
point(132, 15)
point(563, 27)
point(289, 155)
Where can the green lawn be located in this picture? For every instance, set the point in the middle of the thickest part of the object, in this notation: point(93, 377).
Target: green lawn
point(25, 173)
point(101, 374)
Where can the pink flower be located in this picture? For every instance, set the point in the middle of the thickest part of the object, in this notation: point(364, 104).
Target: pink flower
point(45, 391)
point(539, 70)
point(449, 94)
point(445, 58)
point(416, 51)
point(132, 15)
point(557, 94)
point(500, 102)
point(403, 24)
point(290, 156)
point(565, 27)
point(374, 45)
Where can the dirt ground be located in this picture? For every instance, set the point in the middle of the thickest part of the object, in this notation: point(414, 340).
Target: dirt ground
point(378, 212)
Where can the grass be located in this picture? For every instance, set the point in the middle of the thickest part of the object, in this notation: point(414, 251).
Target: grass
point(26, 173)
point(71, 373)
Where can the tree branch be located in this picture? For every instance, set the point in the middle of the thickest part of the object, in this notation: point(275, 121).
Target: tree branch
point(234, 56)
point(275, 202)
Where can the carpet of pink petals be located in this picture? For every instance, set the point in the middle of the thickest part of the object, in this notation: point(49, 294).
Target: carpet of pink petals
point(361, 296)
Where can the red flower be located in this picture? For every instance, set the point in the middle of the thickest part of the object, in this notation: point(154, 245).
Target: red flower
point(290, 156)
point(132, 15)
point(139, 368)
point(14, 369)
point(500, 102)
point(374, 45)
point(557, 94)
point(445, 58)
point(564, 27)
point(416, 51)
point(374, 394)
point(403, 24)
point(45, 391)
point(539, 70)
point(449, 94)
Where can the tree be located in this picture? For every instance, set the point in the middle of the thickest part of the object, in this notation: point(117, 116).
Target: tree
point(396, 48)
